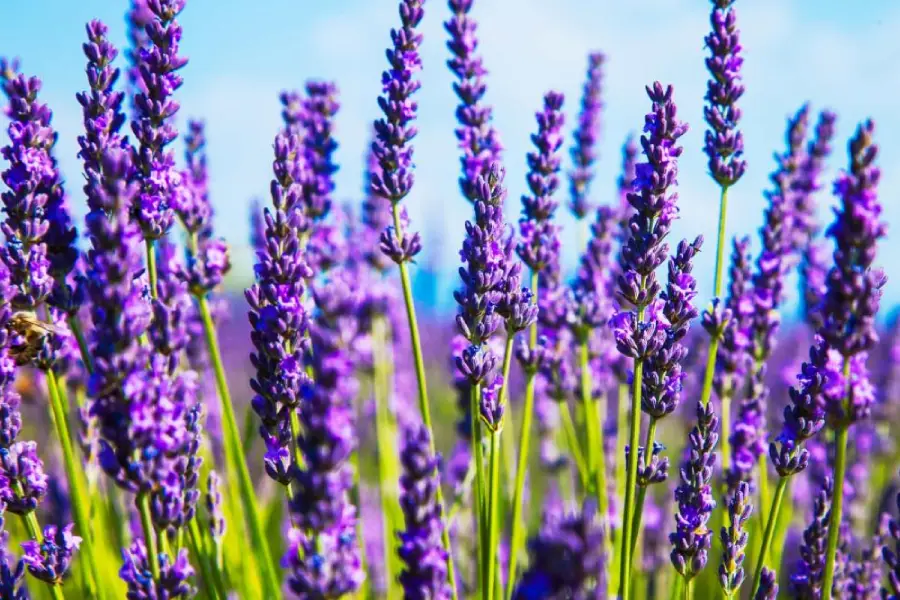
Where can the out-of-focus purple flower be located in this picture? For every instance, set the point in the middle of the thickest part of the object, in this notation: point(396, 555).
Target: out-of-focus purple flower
point(539, 245)
point(891, 555)
point(866, 573)
point(692, 539)
point(157, 66)
point(173, 582)
point(278, 317)
point(137, 18)
point(567, 558)
point(806, 580)
point(214, 508)
point(477, 138)
point(813, 282)
point(805, 223)
point(23, 482)
point(50, 559)
point(172, 308)
point(724, 142)
point(584, 150)
point(12, 571)
point(319, 107)
point(592, 288)
point(768, 585)
point(394, 132)
point(425, 575)
point(734, 540)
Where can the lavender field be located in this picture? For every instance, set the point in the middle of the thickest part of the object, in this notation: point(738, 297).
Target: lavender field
point(339, 406)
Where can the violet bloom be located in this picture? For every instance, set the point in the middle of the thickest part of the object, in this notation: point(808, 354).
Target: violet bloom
point(323, 554)
point(173, 582)
point(805, 225)
point(734, 539)
point(12, 571)
point(567, 557)
point(806, 580)
point(375, 217)
point(584, 150)
point(891, 557)
point(866, 573)
point(724, 142)
point(50, 559)
point(158, 65)
point(421, 549)
point(319, 108)
point(539, 245)
point(768, 585)
point(137, 18)
point(394, 132)
point(692, 539)
point(278, 318)
point(173, 306)
point(813, 282)
point(476, 135)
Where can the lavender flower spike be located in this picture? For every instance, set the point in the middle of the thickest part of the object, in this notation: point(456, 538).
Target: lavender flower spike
point(154, 108)
point(477, 137)
point(724, 142)
point(394, 132)
point(734, 540)
point(173, 582)
point(768, 586)
point(50, 559)
point(425, 576)
point(805, 224)
point(692, 538)
point(806, 580)
point(891, 558)
point(583, 152)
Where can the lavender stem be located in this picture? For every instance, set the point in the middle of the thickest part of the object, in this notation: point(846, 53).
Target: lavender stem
point(151, 269)
point(837, 502)
point(143, 504)
point(493, 520)
point(770, 530)
point(642, 494)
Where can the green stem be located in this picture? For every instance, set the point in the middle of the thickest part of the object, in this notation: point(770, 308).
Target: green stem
point(688, 589)
point(295, 439)
point(80, 502)
point(143, 503)
point(419, 360)
point(34, 532)
point(641, 496)
point(388, 462)
point(235, 456)
point(763, 468)
point(709, 373)
point(478, 503)
point(594, 418)
point(493, 516)
point(631, 482)
point(203, 560)
point(720, 243)
point(508, 449)
point(770, 530)
point(151, 268)
point(573, 444)
point(837, 508)
point(83, 348)
point(621, 433)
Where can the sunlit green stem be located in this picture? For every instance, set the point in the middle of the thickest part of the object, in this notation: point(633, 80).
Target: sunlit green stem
point(762, 559)
point(77, 482)
point(642, 494)
point(837, 509)
point(689, 589)
point(479, 503)
point(151, 268)
point(203, 560)
point(143, 504)
point(83, 348)
point(720, 243)
point(419, 360)
point(621, 433)
point(596, 457)
point(493, 515)
point(508, 446)
point(573, 444)
point(235, 456)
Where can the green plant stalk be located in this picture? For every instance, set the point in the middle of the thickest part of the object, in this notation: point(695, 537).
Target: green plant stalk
point(143, 504)
point(641, 498)
point(493, 516)
point(151, 268)
point(34, 531)
point(517, 537)
point(202, 559)
point(574, 446)
point(770, 530)
point(720, 242)
point(837, 506)
point(419, 360)
point(689, 589)
point(77, 481)
point(388, 462)
point(631, 481)
point(478, 504)
point(621, 433)
point(508, 449)
point(235, 456)
point(295, 439)
point(596, 457)
point(83, 348)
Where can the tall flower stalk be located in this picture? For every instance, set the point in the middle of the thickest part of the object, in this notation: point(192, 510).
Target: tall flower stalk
point(638, 330)
point(584, 148)
point(724, 146)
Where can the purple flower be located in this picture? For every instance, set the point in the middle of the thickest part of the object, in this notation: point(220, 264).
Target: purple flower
point(539, 246)
point(692, 539)
point(12, 572)
point(724, 142)
point(278, 317)
point(866, 573)
point(171, 309)
point(734, 540)
point(592, 289)
point(892, 559)
point(813, 282)
point(477, 138)
point(421, 550)
point(174, 577)
point(317, 114)
point(375, 217)
point(137, 19)
point(804, 226)
point(214, 508)
point(394, 132)
point(584, 152)
point(567, 557)
point(806, 580)
point(50, 559)
point(768, 585)
point(23, 482)
point(157, 66)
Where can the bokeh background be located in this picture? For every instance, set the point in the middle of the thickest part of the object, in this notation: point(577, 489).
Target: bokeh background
point(834, 54)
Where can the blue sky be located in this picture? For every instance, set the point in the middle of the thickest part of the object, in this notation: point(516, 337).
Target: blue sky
point(835, 54)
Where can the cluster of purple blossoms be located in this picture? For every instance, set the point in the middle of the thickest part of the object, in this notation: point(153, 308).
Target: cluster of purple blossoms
point(692, 539)
point(804, 223)
point(891, 558)
point(138, 17)
point(806, 580)
point(158, 64)
point(49, 559)
point(584, 150)
point(768, 585)
point(478, 140)
point(420, 549)
point(12, 571)
point(174, 579)
point(567, 557)
point(724, 142)
point(394, 132)
point(734, 539)
point(592, 289)
point(278, 317)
